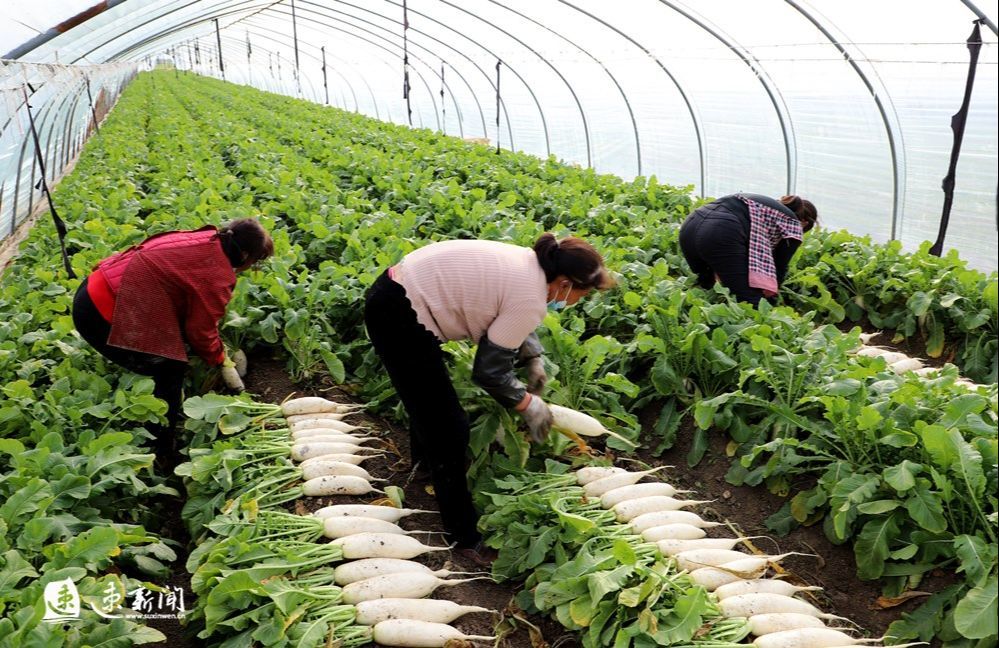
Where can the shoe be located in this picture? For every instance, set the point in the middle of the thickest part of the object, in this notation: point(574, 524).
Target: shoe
point(479, 554)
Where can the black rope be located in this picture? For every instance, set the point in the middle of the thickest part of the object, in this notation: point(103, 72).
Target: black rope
point(59, 225)
point(957, 124)
point(93, 112)
point(498, 64)
point(405, 61)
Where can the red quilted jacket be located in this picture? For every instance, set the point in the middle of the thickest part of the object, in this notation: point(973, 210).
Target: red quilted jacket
point(170, 289)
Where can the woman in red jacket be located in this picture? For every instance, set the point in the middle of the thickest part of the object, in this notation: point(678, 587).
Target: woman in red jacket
point(139, 308)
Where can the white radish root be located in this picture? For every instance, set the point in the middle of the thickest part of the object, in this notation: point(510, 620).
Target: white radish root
point(387, 513)
point(411, 585)
point(659, 518)
point(614, 497)
point(598, 487)
point(588, 474)
point(630, 509)
point(419, 634)
point(338, 485)
point(673, 532)
point(383, 545)
point(432, 610)
point(764, 624)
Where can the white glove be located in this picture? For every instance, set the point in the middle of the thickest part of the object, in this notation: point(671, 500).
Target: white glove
point(539, 419)
point(536, 376)
point(231, 377)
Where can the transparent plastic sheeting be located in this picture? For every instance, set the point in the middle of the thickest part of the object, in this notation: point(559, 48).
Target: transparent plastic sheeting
point(57, 96)
point(847, 103)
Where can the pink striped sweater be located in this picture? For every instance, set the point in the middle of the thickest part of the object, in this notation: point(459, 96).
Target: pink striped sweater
point(462, 290)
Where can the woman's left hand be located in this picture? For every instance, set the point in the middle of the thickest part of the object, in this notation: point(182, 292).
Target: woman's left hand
point(536, 376)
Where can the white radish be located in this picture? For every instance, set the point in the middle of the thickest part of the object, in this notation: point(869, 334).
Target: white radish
point(764, 624)
point(926, 371)
point(326, 432)
point(750, 567)
point(659, 518)
point(382, 545)
point(807, 638)
point(908, 364)
point(673, 532)
point(871, 351)
point(579, 423)
point(432, 610)
point(711, 578)
point(319, 416)
point(411, 585)
point(419, 634)
point(628, 510)
point(635, 491)
point(387, 513)
point(335, 437)
point(891, 357)
point(313, 404)
point(329, 468)
point(867, 337)
point(592, 473)
point(747, 605)
point(672, 547)
point(338, 485)
point(238, 358)
point(358, 570)
point(303, 451)
point(697, 558)
point(345, 457)
point(327, 424)
point(762, 586)
point(598, 487)
point(342, 526)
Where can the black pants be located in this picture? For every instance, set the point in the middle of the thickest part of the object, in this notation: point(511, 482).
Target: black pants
point(438, 429)
point(167, 374)
point(715, 240)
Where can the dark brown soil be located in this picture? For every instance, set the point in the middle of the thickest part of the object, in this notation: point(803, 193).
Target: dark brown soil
point(268, 380)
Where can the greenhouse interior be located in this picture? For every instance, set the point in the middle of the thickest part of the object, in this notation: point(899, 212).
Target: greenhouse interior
point(702, 306)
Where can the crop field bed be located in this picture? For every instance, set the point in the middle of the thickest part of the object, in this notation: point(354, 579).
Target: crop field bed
point(778, 415)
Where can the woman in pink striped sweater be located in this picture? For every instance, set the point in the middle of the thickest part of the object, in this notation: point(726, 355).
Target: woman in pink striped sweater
point(496, 295)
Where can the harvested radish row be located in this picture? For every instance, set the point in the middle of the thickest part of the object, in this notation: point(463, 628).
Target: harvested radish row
point(432, 610)
point(411, 585)
point(338, 485)
point(387, 513)
point(382, 545)
point(408, 633)
point(358, 570)
point(624, 493)
point(761, 586)
point(598, 487)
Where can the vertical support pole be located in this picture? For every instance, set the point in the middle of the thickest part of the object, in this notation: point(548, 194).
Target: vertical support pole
point(498, 64)
point(405, 61)
point(59, 225)
point(294, 37)
point(218, 40)
point(249, 55)
point(443, 107)
point(326, 88)
point(197, 52)
point(957, 124)
point(93, 111)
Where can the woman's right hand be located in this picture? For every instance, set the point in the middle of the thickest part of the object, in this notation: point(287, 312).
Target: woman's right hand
point(538, 417)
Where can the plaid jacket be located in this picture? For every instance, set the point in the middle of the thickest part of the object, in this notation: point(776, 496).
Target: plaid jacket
point(767, 228)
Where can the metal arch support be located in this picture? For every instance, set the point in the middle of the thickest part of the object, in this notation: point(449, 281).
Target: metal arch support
point(393, 44)
point(541, 112)
point(460, 53)
point(780, 107)
point(981, 16)
point(370, 91)
point(679, 88)
point(418, 73)
point(624, 96)
point(893, 147)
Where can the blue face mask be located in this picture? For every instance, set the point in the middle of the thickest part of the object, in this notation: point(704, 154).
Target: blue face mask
point(558, 304)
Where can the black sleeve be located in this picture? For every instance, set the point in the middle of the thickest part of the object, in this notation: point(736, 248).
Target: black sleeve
point(782, 257)
point(493, 371)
